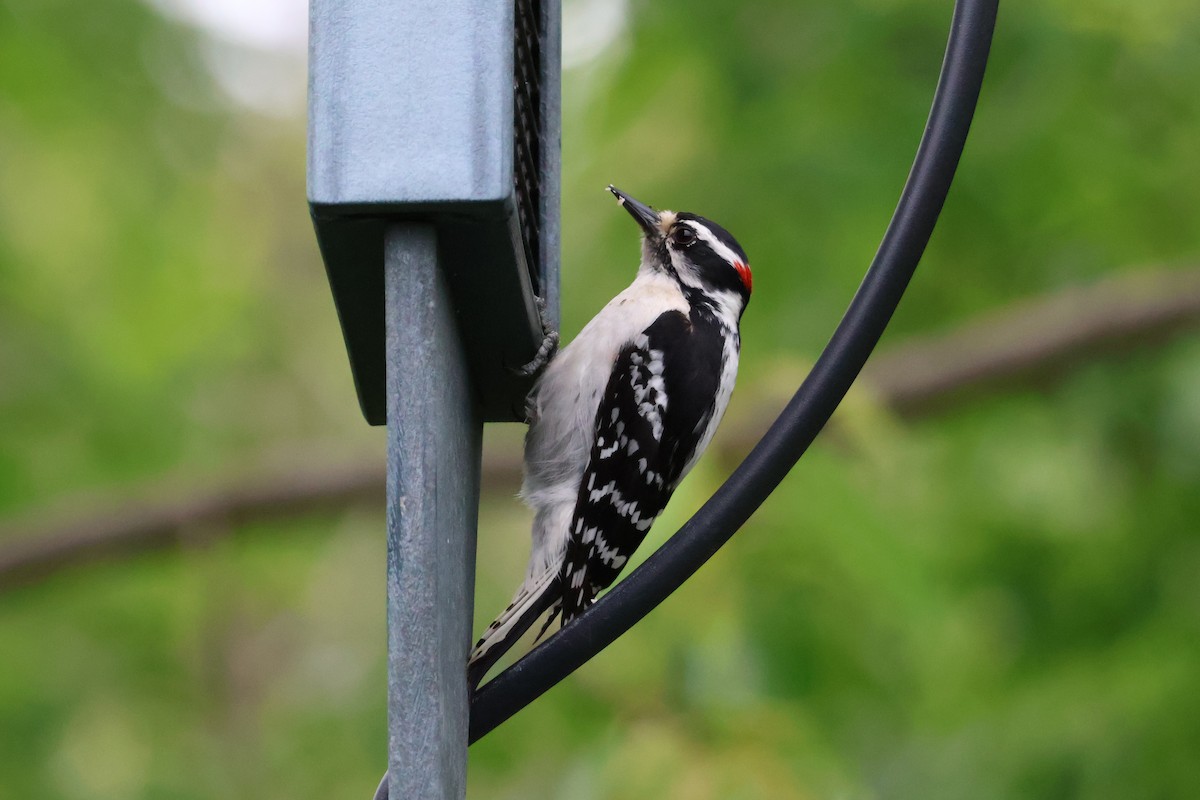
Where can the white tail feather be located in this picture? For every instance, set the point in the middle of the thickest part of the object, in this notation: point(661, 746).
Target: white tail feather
point(529, 595)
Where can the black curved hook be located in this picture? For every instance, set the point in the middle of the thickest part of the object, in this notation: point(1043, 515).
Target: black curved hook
point(809, 410)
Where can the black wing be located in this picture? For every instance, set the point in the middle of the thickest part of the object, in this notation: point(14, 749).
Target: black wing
point(659, 400)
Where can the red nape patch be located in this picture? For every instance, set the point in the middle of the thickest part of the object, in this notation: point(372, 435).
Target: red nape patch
point(744, 272)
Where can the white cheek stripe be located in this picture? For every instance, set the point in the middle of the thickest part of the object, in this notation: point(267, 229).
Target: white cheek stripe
point(718, 247)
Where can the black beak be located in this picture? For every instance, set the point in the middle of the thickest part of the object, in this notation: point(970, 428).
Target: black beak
point(646, 216)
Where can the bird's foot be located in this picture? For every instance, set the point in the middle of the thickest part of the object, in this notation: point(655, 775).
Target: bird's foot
point(547, 349)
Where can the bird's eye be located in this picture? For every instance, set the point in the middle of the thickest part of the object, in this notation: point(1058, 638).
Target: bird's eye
point(684, 235)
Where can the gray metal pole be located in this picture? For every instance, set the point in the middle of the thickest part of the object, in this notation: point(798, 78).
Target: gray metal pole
point(434, 432)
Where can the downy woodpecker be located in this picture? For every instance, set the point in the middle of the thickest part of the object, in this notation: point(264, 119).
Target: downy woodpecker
point(621, 414)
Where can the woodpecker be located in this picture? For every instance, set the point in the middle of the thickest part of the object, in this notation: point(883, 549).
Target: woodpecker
point(621, 414)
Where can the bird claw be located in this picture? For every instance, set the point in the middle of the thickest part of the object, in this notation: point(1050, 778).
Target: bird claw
point(546, 351)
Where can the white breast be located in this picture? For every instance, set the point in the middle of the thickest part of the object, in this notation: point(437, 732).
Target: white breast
point(563, 405)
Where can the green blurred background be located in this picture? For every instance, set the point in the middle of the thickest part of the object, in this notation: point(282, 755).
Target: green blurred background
point(995, 597)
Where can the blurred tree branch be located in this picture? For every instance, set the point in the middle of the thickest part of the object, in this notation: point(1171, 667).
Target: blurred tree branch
point(150, 524)
point(1032, 340)
point(1036, 339)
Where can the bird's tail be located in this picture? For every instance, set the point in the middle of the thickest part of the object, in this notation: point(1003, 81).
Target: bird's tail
point(529, 604)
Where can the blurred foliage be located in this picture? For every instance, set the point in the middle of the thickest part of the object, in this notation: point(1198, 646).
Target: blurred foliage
point(998, 602)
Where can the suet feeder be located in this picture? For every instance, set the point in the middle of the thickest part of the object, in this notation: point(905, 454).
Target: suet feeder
point(444, 113)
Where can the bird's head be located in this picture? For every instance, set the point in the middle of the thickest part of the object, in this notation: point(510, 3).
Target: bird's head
point(699, 254)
